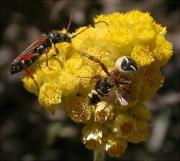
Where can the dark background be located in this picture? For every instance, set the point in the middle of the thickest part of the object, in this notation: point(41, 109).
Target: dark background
point(28, 133)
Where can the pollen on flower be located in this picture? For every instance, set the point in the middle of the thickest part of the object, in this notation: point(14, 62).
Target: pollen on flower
point(74, 63)
point(142, 55)
point(69, 83)
point(52, 71)
point(78, 110)
point(163, 50)
point(50, 96)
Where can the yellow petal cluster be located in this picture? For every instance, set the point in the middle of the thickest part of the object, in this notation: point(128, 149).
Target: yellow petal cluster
point(50, 96)
point(68, 78)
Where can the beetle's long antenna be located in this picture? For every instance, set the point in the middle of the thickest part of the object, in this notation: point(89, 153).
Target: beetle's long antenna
point(91, 25)
point(69, 23)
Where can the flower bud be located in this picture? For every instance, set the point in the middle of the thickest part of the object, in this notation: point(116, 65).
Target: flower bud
point(140, 133)
point(103, 112)
point(115, 147)
point(78, 109)
point(50, 96)
point(124, 125)
point(92, 135)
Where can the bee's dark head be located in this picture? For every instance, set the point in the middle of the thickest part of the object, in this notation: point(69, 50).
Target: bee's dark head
point(15, 67)
point(126, 64)
point(56, 37)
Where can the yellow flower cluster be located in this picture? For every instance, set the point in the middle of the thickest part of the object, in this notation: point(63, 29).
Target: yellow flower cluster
point(68, 78)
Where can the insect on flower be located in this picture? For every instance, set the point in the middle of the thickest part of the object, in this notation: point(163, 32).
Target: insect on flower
point(41, 46)
point(111, 87)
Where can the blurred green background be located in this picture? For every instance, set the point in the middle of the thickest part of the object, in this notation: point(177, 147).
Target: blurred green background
point(28, 133)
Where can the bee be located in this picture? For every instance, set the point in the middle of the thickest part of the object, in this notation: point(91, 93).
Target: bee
point(41, 46)
point(111, 87)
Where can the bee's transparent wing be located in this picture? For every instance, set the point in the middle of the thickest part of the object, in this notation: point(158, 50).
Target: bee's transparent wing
point(121, 99)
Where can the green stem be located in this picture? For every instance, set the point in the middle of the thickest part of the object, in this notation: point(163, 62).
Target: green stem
point(99, 154)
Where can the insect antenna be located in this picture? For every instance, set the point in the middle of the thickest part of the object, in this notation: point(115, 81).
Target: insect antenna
point(103, 66)
point(91, 25)
point(69, 23)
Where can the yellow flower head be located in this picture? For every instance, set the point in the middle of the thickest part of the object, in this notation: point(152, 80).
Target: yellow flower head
point(124, 125)
point(78, 109)
point(115, 147)
point(50, 96)
point(70, 77)
point(92, 135)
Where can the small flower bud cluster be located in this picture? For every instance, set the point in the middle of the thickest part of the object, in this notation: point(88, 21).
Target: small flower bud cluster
point(68, 78)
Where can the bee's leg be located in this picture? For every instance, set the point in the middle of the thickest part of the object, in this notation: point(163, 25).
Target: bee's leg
point(46, 52)
point(56, 49)
point(38, 63)
point(30, 75)
point(127, 84)
point(60, 62)
point(125, 90)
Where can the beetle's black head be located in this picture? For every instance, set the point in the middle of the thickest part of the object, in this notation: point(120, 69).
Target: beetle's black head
point(16, 67)
point(56, 37)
